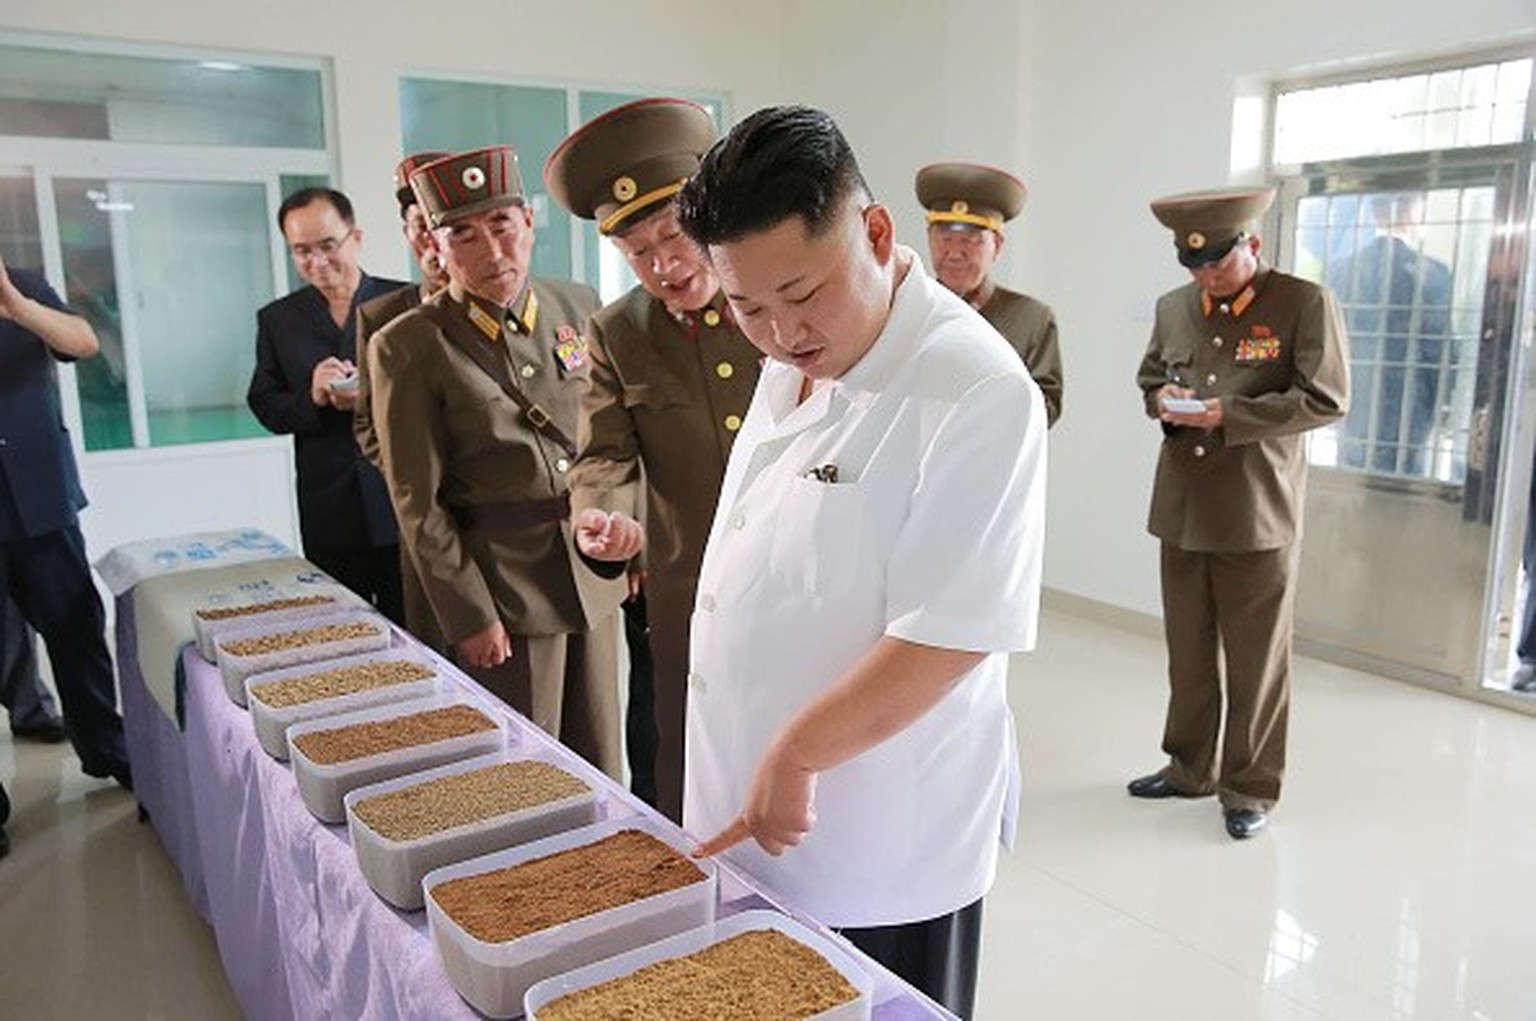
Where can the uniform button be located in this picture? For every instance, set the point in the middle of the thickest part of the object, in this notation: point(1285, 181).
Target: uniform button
point(707, 603)
point(725, 370)
point(695, 681)
point(732, 422)
point(711, 317)
point(1210, 380)
point(1199, 451)
point(528, 371)
point(1216, 341)
point(1225, 308)
point(561, 464)
point(738, 521)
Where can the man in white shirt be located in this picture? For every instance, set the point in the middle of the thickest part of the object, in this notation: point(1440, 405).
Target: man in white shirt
point(874, 557)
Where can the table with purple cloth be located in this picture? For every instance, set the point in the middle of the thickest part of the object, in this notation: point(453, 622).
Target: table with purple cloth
point(299, 930)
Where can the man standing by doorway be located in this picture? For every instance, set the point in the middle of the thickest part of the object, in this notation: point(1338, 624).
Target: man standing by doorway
point(1243, 361)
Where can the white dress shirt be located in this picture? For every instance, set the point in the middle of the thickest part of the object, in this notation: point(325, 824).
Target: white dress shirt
point(931, 532)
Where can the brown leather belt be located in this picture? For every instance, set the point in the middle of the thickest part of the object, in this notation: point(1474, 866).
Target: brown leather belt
point(512, 515)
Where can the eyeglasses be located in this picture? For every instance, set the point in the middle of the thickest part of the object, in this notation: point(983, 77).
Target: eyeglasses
point(324, 248)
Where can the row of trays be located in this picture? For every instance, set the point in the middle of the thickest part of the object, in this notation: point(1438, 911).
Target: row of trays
point(541, 971)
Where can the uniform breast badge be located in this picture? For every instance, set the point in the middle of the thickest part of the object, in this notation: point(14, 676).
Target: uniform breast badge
point(570, 348)
point(1262, 346)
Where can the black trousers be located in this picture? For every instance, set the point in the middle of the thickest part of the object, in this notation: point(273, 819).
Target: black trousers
point(371, 572)
point(49, 581)
point(640, 735)
point(22, 690)
point(939, 956)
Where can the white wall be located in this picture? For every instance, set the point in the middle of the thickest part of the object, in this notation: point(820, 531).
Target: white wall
point(1099, 104)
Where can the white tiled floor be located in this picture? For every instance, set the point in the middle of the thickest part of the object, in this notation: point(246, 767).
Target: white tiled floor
point(1397, 879)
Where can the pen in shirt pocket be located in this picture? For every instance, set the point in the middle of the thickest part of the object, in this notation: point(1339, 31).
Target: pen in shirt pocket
point(825, 473)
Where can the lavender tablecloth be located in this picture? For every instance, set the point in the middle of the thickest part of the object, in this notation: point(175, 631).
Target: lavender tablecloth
point(300, 932)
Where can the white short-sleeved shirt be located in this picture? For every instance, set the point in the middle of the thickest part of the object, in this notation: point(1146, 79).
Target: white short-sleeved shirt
point(932, 533)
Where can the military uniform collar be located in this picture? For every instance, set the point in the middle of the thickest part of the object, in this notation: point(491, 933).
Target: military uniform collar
point(488, 317)
point(982, 294)
point(1240, 304)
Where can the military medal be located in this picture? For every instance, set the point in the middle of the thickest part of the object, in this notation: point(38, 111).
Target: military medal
point(570, 348)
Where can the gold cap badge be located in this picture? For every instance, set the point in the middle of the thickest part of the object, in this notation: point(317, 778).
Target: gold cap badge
point(624, 188)
point(1195, 240)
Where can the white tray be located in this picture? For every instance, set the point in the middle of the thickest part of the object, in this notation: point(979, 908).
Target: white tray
point(322, 787)
point(494, 977)
point(235, 669)
point(394, 868)
point(272, 723)
point(208, 631)
point(542, 993)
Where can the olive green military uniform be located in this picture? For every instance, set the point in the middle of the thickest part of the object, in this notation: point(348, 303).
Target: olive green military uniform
point(1029, 326)
point(663, 403)
point(1227, 506)
point(667, 391)
point(371, 316)
point(976, 197)
point(482, 499)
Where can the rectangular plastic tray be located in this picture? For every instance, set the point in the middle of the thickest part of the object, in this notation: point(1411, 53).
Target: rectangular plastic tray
point(272, 723)
point(235, 669)
point(394, 868)
point(322, 787)
point(494, 977)
point(542, 993)
point(208, 631)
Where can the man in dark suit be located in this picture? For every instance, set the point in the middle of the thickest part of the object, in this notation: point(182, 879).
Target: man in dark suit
point(1397, 304)
point(43, 566)
point(305, 384)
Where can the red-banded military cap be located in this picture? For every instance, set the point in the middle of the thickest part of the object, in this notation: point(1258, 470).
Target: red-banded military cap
point(403, 170)
point(467, 183)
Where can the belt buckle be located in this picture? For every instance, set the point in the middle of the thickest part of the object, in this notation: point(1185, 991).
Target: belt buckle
point(538, 416)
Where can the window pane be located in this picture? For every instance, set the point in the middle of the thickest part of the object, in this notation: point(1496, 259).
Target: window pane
point(455, 116)
point(90, 275)
point(68, 94)
point(1474, 106)
point(21, 242)
point(186, 334)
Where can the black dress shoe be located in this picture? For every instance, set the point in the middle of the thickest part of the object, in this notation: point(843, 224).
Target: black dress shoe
point(119, 771)
point(1243, 823)
point(1156, 785)
point(50, 731)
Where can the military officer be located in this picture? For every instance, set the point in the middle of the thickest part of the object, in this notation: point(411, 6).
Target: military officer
point(1243, 360)
point(672, 376)
point(967, 204)
point(378, 312)
point(475, 397)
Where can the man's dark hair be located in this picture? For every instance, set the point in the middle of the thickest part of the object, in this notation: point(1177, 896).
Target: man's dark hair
point(304, 196)
point(780, 162)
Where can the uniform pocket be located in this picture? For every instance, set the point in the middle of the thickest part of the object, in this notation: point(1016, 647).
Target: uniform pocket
point(816, 539)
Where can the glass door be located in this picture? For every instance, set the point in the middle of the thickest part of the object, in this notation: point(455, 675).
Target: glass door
point(1399, 551)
